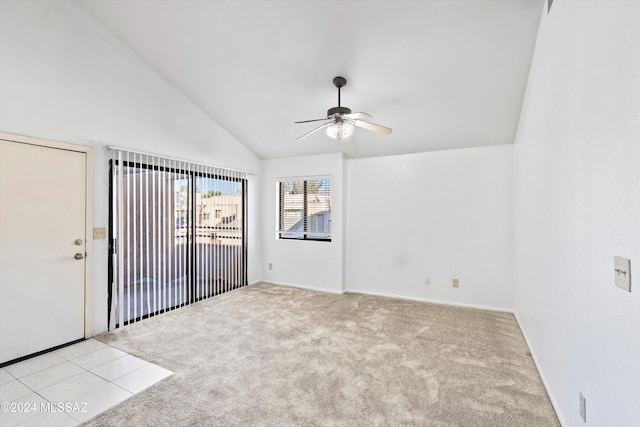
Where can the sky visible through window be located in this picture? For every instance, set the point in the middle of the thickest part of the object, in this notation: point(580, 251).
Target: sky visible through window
point(205, 185)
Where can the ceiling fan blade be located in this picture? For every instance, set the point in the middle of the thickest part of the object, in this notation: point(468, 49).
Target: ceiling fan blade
point(351, 115)
point(372, 126)
point(313, 120)
point(314, 130)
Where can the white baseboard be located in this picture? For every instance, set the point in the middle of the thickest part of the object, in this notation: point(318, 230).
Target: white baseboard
point(433, 301)
point(311, 288)
point(382, 294)
point(481, 307)
point(554, 403)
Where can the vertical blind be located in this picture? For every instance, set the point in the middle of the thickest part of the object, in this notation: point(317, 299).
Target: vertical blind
point(177, 234)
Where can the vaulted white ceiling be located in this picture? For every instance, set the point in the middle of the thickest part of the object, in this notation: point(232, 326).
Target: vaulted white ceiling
point(443, 74)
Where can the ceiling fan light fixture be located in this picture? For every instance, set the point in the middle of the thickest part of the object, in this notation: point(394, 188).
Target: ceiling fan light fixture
point(340, 130)
point(332, 131)
point(347, 129)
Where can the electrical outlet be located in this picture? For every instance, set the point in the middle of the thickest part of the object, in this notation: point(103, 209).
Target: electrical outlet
point(455, 282)
point(427, 280)
point(583, 407)
point(270, 266)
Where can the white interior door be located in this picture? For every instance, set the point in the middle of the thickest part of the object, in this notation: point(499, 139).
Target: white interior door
point(42, 228)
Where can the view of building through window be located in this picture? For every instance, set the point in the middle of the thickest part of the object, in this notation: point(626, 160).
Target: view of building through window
point(305, 209)
point(218, 210)
point(178, 236)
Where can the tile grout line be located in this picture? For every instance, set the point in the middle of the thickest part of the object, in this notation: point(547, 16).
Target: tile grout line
point(79, 395)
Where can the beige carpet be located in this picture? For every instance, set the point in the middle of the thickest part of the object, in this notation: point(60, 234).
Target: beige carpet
point(270, 355)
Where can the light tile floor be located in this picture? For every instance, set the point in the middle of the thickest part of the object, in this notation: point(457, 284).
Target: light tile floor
point(71, 385)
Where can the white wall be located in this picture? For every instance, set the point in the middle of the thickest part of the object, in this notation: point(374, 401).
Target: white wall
point(443, 214)
point(577, 204)
point(63, 77)
point(310, 264)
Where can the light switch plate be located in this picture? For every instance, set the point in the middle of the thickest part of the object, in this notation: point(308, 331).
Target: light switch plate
point(622, 272)
point(99, 233)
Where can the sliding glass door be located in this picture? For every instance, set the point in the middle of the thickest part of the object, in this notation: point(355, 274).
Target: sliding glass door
point(218, 235)
point(177, 235)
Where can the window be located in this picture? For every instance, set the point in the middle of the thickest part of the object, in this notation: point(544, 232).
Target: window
point(305, 209)
point(177, 235)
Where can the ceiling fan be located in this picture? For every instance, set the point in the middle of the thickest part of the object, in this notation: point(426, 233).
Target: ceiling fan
point(341, 121)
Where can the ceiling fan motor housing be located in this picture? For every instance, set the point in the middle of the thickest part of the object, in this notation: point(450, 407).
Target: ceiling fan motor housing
point(338, 110)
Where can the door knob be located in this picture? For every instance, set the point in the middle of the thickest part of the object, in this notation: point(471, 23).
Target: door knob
point(78, 242)
point(78, 256)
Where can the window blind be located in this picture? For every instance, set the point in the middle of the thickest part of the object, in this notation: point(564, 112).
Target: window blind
point(177, 234)
point(304, 208)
